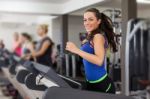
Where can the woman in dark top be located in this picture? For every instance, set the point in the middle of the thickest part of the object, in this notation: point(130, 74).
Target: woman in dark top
point(100, 35)
point(43, 50)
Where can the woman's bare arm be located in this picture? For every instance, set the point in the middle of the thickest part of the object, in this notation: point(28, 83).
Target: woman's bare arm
point(99, 50)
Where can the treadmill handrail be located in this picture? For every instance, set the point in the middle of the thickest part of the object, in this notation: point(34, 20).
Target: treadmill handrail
point(75, 82)
point(68, 93)
point(134, 31)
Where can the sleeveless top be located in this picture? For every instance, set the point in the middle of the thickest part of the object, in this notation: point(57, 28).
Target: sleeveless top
point(94, 73)
point(45, 59)
point(17, 49)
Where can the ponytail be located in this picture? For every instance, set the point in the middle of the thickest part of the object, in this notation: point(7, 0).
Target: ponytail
point(105, 27)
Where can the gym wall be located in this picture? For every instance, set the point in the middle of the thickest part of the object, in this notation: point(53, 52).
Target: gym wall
point(75, 26)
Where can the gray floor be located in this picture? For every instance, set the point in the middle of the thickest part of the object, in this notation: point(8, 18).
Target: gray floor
point(4, 97)
point(3, 80)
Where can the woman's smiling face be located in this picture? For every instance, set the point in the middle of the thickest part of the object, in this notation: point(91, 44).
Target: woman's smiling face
point(90, 21)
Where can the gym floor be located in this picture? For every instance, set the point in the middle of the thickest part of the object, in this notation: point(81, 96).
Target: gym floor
point(3, 83)
point(2, 96)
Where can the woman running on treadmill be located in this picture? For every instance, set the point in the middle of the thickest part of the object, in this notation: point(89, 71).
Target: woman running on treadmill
point(43, 47)
point(26, 44)
point(16, 44)
point(93, 51)
point(2, 45)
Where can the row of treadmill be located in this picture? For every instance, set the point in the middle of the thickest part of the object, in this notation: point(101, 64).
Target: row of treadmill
point(43, 78)
point(55, 86)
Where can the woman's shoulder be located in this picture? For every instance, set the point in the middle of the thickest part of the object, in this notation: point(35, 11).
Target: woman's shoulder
point(46, 39)
point(99, 36)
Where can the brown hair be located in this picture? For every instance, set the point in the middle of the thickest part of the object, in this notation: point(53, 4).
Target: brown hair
point(105, 27)
point(27, 36)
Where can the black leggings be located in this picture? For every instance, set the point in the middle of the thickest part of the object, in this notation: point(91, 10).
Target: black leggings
point(105, 86)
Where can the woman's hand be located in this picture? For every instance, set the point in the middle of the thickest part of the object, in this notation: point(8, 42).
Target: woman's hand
point(72, 47)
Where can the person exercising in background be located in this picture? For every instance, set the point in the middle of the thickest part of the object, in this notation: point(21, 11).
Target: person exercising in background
point(93, 51)
point(43, 50)
point(27, 44)
point(16, 44)
point(2, 46)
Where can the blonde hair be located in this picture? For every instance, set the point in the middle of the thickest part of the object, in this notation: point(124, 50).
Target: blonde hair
point(44, 27)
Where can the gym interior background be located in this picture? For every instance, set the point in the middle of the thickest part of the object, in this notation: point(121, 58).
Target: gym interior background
point(129, 67)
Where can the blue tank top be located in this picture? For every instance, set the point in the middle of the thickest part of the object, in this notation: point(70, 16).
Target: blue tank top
point(93, 72)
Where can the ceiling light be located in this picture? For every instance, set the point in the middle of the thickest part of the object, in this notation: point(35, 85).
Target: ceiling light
point(143, 1)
